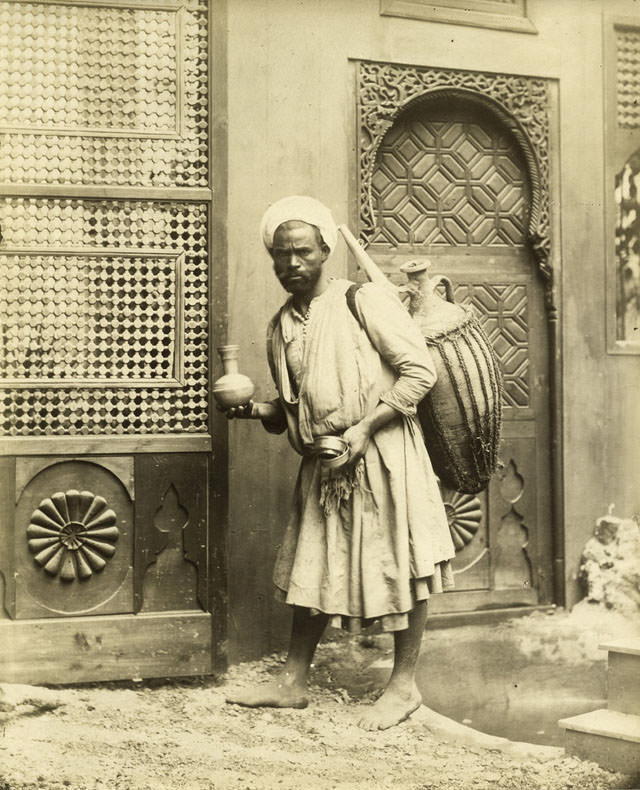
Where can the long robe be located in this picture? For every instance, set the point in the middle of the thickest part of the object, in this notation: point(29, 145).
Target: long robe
point(372, 543)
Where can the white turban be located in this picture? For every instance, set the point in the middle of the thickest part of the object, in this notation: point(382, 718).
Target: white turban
point(304, 209)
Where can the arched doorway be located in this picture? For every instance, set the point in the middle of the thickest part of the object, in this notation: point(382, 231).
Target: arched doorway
point(450, 181)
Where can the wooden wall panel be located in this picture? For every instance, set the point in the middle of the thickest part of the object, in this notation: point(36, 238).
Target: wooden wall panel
point(104, 313)
point(171, 532)
point(80, 649)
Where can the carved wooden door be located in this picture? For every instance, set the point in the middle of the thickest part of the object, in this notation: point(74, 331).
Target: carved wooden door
point(105, 440)
point(450, 184)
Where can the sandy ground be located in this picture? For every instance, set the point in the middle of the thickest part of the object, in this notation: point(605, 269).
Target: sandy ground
point(181, 734)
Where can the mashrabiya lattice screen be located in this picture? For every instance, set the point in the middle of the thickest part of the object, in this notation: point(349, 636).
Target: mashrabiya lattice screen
point(143, 316)
point(104, 94)
point(628, 77)
point(91, 318)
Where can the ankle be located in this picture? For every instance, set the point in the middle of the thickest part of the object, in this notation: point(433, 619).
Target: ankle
point(293, 678)
point(402, 685)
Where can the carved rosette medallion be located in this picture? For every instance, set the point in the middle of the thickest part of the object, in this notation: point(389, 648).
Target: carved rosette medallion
point(520, 103)
point(72, 535)
point(464, 515)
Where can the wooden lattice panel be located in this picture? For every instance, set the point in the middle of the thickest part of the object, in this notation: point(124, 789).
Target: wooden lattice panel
point(448, 183)
point(89, 318)
point(104, 94)
point(503, 314)
point(628, 77)
point(132, 264)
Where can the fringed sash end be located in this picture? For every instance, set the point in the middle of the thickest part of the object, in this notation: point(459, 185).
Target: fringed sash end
point(337, 485)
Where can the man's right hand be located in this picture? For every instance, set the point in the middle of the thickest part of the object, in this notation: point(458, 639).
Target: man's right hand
point(270, 413)
point(248, 411)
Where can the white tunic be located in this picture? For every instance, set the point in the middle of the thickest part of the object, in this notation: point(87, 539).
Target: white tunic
point(381, 541)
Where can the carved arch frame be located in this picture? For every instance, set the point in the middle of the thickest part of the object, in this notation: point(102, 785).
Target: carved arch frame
point(520, 104)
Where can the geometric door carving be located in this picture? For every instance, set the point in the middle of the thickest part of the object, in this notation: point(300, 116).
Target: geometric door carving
point(450, 182)
point(503, 313)
point(389, 93)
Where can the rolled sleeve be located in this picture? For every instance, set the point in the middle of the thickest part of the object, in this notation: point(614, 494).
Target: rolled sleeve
point(280, 424)
point(399, 341)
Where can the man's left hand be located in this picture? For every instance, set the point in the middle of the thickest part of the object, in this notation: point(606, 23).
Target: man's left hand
point(357, 437)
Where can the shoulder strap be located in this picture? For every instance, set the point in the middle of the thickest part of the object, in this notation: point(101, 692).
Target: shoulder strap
point(350, 295)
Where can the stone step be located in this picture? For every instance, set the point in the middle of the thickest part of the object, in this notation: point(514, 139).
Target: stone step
point(629, 645)
point(608, 737)
point(623, 675)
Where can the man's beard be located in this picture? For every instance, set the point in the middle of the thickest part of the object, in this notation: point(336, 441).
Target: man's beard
point(300, 283)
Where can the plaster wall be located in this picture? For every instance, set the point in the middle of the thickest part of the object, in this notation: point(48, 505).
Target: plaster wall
point(291, 129)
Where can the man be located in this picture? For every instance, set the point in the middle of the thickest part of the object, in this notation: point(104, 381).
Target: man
point(370, 540)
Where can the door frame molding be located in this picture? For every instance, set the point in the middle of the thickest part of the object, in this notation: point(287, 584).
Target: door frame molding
point(218, 319)
point(526, 106)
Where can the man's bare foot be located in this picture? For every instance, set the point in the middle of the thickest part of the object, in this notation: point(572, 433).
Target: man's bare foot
point(275, 694)
point(395, 705)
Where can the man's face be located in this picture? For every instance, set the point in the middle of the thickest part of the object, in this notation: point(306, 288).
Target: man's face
point(298, 254)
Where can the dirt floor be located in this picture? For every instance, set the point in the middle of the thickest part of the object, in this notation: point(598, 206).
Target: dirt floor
point(181, 734)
